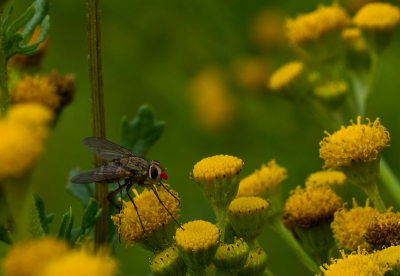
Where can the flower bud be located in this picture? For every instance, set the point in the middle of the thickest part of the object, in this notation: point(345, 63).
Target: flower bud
point(255, 264)
point(231, 258)
point(168, 263)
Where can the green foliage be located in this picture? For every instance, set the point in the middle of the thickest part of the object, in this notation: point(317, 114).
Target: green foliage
point(44, 219)
point(5, 235)
point(15, 42)
point(81, 192)
point(64, 231)
point(139, 134)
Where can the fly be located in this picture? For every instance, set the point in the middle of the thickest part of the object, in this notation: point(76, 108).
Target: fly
point(122, 165)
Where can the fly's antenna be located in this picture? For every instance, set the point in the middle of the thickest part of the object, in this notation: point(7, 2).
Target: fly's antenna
point(170, 193)
point(156, 193)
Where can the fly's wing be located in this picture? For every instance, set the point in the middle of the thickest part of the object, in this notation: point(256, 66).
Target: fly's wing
point(106, 149)
point(110, 172)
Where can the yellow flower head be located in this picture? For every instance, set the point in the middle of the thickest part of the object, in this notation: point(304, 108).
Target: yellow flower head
point(331, 89)
point(391, 256)
point(266, 29)
point(33, 115)
point(355, 264)
point(36, 89)
point(263, 181)
point(310, 207)
point(198, 235)
point(312, 26)
point(326, 178)
point(383, 231)
point(168, 262)
point(217, 167)
point(353, 38)
point(357, 142)
point(285, 75)
point(349, 226)
point(377, 16)
point(214, 105)
point(251, 73)
point(30, 258)
point(248, 205)
point(151, 211)
point(65, 86)
point(21, 61)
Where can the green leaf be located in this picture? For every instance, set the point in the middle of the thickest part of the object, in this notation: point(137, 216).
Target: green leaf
point(21, 21)
point(41, 7)
point(43, 219)
point(91, 215)
point(111, 232)
point(50, 217)
point(83, 192)
point(76, 233)
point(7, 18)
point(5, 235)
point(139, 134)
point(64, 231)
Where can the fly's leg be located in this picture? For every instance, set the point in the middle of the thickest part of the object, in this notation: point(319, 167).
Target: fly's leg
point(155, 192)
point(128, 187)
point(179, 202)
point(119, 189)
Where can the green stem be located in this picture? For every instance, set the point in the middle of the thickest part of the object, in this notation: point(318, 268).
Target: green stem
point(372, 77)
point(371, 189)
point(390, 181)
point(96, 92)
point(5, 96)
point(221, 214)
point(277, 225)
point(268, 272)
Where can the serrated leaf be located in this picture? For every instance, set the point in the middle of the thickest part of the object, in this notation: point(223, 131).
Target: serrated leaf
point(41, 7)
point(64, 231)
point(21, 21)
point(5, 235)
point(139, 134)
point(83, 192)
point(43, 220)
point(7, 18)
point(50, 217)
point(76, 233)
point(91, 215)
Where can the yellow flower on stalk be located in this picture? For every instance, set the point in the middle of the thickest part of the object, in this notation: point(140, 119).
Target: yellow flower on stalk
point(349, 226)
point(39, 89)
point(285, 75)
point(357, 142)
point(378, 17)
point(391, 256)
point(383, 231)
point(30, 258)
point(355, 264)
point(312, 26)
point(214, 105)
point(155, 218)
point(81, 263)
point(217, 167)
point(328, 178)
point(353, 38)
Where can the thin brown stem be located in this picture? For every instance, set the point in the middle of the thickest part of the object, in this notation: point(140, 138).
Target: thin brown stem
point(96, 92)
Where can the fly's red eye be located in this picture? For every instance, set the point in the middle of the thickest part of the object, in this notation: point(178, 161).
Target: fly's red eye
point(164, 176)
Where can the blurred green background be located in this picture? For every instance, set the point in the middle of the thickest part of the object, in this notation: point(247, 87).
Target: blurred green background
point(150, 51)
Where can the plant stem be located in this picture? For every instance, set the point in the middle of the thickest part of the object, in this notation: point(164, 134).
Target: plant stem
point(389, 180)
point(221, 214)
point(372, 192)
point(98, 121)
point(5, 96)
point(277, 225)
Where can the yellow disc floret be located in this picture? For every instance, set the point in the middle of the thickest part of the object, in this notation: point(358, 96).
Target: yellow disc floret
point(151, 212)
point(329, 178)
point(331, 89)
point(36, 89)
point(285, 75)
point(357, 142)
point(198, 235)
point(391, 256)
point(349, 226)
point(29, 259)
point(262, 181)
point(353, 38)
point(217, 167)
point(377, 16)
point(312, 26)
point(248, 205)
point(383, 231)
point(311, 207)
point(356, 264)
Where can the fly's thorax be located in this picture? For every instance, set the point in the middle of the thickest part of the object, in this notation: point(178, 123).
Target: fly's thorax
point(136, 165)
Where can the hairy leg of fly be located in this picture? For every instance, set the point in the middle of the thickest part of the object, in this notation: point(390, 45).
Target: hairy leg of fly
point(119, 189)
point(128, 187)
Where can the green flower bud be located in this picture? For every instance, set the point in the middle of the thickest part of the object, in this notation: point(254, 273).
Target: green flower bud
point(255, 264)
point(232, 257)
point(168, 263)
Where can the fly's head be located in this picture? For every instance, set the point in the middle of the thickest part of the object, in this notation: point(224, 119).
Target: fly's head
point(156, 172)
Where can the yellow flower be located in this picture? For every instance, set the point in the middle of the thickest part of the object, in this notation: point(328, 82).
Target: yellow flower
point(383, 231)
point(377, 16)
point(349, 226)
point(355, 264)
point(30, 258)
point(391, 256)
point(154, 217)
point(197, 243)
point(21, 61)
point(36, 89)
point(331, 89)
point(326, 178)
point(353, 38)
point(65, 86)
point(251, 73)
point(263, 181)
point(213, 103)
point(285, 75)
point(81, 263)
point(310, 207)
point(357, 142)
point(314, 25)
point(266, 29)
point(217, 167)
